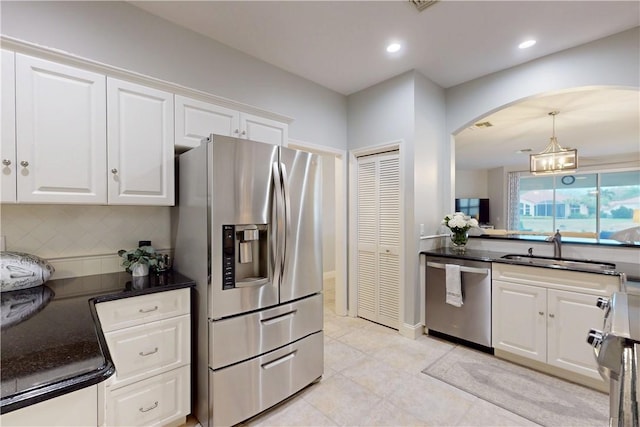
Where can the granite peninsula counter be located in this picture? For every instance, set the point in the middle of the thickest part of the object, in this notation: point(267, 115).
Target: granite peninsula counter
point(56, 345)
point(631, 270)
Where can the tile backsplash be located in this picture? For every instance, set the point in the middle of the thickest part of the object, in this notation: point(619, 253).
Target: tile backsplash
point(63, 232)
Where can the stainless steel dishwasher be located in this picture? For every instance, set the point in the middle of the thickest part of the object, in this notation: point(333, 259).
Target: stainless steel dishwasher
point(472, 321)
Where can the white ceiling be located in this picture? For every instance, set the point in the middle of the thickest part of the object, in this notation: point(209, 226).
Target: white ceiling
point(341, 45)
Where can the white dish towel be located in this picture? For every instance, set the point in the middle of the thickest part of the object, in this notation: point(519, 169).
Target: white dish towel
point(454, 285)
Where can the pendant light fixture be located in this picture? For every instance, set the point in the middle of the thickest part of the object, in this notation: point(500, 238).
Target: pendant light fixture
point(554, 158)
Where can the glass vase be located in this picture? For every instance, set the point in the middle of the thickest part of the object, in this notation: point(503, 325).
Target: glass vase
point(459, 241)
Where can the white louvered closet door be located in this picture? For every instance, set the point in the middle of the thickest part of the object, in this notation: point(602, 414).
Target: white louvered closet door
point(379, 238)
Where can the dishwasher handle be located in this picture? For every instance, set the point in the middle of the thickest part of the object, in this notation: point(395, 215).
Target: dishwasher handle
point(463, 269)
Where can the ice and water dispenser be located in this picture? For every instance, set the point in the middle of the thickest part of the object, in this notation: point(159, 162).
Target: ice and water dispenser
point(245, 255)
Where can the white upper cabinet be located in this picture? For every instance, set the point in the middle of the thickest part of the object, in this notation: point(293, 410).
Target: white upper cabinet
point(60, 133)
point(8, 142)
point(261, 129)
point(141, 144)
point(197, 119)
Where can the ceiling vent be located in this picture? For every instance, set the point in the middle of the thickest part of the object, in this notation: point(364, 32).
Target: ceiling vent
point(423, 4)
point(483, 124)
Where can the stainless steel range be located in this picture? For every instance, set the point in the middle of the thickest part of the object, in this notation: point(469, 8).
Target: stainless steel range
point(616, 349)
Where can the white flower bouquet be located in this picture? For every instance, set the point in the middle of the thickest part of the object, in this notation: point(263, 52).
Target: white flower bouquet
point(459, 224)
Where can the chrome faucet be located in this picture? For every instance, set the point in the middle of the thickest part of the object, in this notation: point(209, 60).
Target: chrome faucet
point(556, 239)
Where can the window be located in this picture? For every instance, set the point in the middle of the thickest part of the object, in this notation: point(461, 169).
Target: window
point(596, 205)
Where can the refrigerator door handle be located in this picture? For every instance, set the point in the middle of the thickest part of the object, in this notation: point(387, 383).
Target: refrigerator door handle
point(287, 211)
point(277, 228)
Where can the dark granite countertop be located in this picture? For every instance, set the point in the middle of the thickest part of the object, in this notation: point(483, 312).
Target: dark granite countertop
point(52, 343)
point(631, 270)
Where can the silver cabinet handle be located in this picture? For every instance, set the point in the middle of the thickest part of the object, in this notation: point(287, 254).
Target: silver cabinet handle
point(278, 318)
point(541, 313)
point(552, 315)
point(236, 131)
point(244, 132)
point(24, 163)
point(279, 360)
point(148, 310)
point(154, 406)
point(114, 171)
point(6, 162)
point(149, 353)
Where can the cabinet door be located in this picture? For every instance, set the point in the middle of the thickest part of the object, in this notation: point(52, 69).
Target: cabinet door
point(519, 320)
point(161, 400)
point(196, 120)
point(260, 129)
point(78, 408)
point(141, 149)
point(61, 133)
point(570, 316)
point(8, 142)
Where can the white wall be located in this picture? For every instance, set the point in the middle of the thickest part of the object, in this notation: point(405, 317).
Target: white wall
point(497, 193)
point(122, 35)
point(407, 108)
point(611, 61)
point(472, 183)
point(429, 182)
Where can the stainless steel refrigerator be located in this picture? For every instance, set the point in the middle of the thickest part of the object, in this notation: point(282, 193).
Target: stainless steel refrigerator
point(248, 231)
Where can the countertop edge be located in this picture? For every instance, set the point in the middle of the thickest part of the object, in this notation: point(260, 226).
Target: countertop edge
point(489, 256)
point(57, 389)
point(68, 385)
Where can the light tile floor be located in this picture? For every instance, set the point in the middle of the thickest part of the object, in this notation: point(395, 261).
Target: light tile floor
point(372, 377)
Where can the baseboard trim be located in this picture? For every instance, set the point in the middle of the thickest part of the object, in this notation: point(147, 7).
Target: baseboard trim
point(411, 331)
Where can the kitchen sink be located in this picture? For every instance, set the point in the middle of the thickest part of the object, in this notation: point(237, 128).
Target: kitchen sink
point(570, 264)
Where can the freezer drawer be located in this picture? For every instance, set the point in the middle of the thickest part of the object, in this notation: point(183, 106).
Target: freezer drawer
point(243, 337)
point(241, 391)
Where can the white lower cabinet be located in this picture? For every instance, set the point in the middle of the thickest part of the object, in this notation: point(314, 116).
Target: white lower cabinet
point(156, 401)
point(569, 313)
point(77, 408)
point(518, 319)
point(149, 339)
point(544, 315)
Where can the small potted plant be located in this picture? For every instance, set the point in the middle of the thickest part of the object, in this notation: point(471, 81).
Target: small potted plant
point(138, 261)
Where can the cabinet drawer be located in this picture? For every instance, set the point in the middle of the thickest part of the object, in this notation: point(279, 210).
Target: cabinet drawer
point(240, 338)
point(151, 402)
point(142, 351)
point(246, 389)
point(133, 311)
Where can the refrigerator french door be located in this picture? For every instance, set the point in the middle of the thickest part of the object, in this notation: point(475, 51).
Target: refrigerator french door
point(264, 203)
point(249, 233)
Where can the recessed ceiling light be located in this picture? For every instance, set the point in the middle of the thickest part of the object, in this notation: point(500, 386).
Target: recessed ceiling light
point(393, 47)
point(526, 44)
